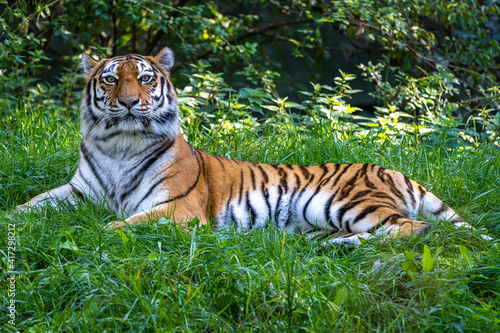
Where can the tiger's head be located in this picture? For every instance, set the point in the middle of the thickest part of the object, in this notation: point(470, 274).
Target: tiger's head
point(129, 99)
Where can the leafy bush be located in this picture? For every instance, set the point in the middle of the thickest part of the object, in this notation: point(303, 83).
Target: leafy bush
point(430, 62)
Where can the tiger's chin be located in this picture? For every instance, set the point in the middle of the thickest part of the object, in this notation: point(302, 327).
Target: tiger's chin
point(131, 135)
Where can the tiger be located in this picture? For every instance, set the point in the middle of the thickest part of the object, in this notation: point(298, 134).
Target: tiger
point(134, 159)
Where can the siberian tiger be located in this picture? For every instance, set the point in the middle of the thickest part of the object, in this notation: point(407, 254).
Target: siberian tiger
point(133, 158)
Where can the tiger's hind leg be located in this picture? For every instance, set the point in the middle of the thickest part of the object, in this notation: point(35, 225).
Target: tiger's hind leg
point(383, 221)
point(433, 208)
point(349, 238)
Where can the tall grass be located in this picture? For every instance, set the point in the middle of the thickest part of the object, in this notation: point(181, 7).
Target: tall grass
point(75, 276)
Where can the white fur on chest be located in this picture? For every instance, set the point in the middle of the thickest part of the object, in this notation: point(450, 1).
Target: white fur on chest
point(129, 184)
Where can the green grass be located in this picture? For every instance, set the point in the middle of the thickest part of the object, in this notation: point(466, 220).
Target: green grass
point(75, 276)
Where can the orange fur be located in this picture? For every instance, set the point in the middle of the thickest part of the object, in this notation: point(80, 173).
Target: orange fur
point(133, 158)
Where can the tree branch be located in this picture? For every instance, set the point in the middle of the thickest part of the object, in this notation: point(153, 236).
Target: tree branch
point(156, 38)
point(319, 47)
point(249, 33)
point(430, 62)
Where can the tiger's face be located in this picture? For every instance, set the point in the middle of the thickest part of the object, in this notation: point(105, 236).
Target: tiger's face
point(129, 96)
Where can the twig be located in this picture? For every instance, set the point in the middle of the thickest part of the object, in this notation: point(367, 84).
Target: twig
point(160, 33)
point(248, 34)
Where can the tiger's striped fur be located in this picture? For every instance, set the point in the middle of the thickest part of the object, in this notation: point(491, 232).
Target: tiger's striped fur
point(133, 158)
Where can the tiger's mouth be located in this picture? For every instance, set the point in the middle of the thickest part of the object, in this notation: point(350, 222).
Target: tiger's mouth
point(129, 114)
point(129, 121)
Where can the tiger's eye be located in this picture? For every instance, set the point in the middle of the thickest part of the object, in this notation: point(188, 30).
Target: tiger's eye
point(145, 79)
point(109, 79)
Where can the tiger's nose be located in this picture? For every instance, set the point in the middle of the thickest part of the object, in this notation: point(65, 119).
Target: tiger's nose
point(129, 102)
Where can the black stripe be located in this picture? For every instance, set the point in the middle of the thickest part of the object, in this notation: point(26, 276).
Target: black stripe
point(304, 171)
point(139, 175)
point(157, 98)
point(390, 217)
point(307, 204)
point(111, 122)
point(264, 174)
point(265, 193)
point(227, 203)
point(395, 190)
point(190, 189)
point(380, 174)
point(340, 175)
point(328, 205)
point(381, 195)
point(364, 212)
point(318, 189)
point(422, 192)
point(300, 195)
point(327, 180)
point(283, 179)
point(230, 194)
point(220, 162)
point(410, 189)
point(391, 205)
point(201, 155)
point(241, 186)
point(361, 194)
point(343, 210)
point(151, 189)
point(252, 177)
point(88, 103)
point(232, 216)
point(95, 96)
point(77, 193)
point(79, 171)
point(364, 170)
point(325, 171)
point(87, 156)
point(155, 143)
point(368, 183)
point(251, 211)
point(108, 136)
point(441, 209)
point(277, 211)
point(349, 186)
point(290, 206)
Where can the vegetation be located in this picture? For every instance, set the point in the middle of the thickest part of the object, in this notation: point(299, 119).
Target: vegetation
point(73, 275)
point(433, 70)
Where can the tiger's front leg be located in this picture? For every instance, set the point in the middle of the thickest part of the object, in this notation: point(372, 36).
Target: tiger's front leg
point(61, 196)
point(178, 212)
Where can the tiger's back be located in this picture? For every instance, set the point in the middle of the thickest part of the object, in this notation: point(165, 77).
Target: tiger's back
point(323, 200)
point(133, 158)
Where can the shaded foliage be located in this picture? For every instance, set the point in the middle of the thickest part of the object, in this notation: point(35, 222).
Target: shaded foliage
point(429, 62)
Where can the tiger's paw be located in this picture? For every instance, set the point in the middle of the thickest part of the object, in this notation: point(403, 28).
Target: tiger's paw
point(354, 239)
point(22, 207)
point(113, 226)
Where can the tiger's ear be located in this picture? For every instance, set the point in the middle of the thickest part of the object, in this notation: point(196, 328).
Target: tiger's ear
point(87, 64)
point(166, 58)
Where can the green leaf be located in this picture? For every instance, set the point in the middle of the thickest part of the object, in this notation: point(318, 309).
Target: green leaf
point(409, 265)
point(427, 260)
point(69, 245)
point(153, 256)
point(466, 255)
point(123, 236)
point(340, 296)
point(436, 255)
